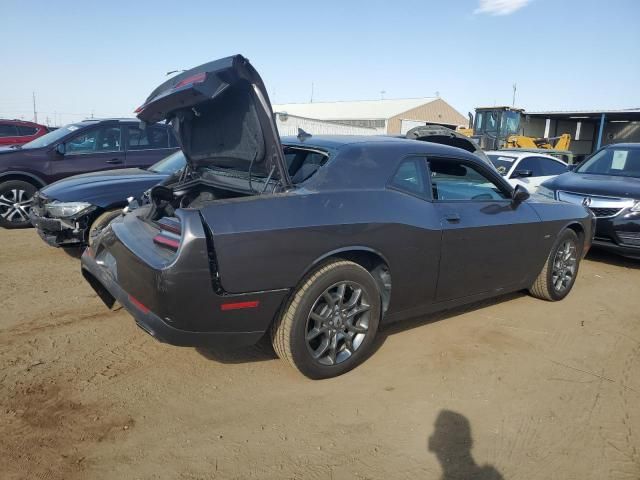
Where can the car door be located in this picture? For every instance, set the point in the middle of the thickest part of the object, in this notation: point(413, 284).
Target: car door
point(91, 150)
point(488, 245)
point(148, 145)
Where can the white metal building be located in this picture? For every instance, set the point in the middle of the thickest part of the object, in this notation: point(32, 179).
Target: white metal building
point(289, 125)
point(387, 116)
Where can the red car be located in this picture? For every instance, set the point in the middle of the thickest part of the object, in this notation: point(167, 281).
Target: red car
point(19, 132)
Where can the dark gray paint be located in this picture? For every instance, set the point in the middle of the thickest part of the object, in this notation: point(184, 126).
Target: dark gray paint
point(264, 245)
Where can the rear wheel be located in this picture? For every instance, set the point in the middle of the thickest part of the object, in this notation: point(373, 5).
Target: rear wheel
point(556, 279)
point(100, 222)
point(15, 202)
point(329, 325)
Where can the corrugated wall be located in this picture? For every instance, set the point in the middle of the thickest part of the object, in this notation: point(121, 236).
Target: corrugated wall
point(318, 127)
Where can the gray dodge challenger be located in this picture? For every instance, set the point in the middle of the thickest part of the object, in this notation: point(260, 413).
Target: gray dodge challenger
point(317, 241)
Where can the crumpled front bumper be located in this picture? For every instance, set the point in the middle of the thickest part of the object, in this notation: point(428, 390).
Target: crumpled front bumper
point(57, 232)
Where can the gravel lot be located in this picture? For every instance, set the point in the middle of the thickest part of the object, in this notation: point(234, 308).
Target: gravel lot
point(516, 388)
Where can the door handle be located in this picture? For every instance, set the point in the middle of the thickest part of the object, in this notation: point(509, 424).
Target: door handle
point(452, 217)
point(114, 160)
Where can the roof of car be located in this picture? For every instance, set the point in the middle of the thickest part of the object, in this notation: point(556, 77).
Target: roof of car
point(521, 154)
point(623, 145)
point(409, 146)
point(337, 141)
point(98, 120)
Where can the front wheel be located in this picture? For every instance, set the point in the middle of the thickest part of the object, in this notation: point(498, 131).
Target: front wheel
point(100, 222)
point(15, 202)
point(329, 325)
point(556, 279)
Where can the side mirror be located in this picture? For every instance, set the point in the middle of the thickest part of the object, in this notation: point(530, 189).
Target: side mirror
point(519, 195)
point(61, 149)
point(522, 174)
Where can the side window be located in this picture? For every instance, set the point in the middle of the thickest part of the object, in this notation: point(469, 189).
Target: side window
point(7, 130)
point(154, 136)
point(455, 180)
point(532, 164)
point(410, 176)
point(24, 131)
point(551, 167)
point(105, 139)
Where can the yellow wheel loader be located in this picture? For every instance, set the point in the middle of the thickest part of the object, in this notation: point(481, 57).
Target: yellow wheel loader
point(499, 127)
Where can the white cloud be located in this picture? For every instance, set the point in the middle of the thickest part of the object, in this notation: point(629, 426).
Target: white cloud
point(500, 7)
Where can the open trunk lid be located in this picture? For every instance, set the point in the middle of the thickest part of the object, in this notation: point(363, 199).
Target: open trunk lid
point(222, 117)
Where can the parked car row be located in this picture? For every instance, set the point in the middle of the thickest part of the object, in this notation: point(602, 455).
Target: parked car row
point(88, 146)
point(313, 240)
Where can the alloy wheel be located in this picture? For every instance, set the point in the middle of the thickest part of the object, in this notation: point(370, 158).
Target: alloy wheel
point(565, 265)
point(15, 204)
point(338, 323)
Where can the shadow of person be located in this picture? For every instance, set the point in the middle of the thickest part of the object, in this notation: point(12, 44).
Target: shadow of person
point(451, 443)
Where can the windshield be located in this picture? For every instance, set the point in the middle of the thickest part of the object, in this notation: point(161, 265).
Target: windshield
point(52, 137)
point(170, 164)
point(510, 123)
point(502, 162)
point(623, 162)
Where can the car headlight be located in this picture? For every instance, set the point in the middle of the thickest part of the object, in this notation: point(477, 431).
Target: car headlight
point(66, 209)
point(636, 207)
point(546, 192)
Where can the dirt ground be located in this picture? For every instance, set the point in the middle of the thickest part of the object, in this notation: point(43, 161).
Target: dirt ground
point(515, 388)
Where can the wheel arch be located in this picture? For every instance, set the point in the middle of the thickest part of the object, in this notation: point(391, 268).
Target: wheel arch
point(368, 258)
point(23, 176)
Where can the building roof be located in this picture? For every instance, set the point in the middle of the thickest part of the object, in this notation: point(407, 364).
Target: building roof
point(352, 110)
point(632, 114)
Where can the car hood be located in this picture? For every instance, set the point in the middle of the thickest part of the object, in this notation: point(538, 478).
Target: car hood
point(222, 117)
point(103, 188)
point(591, 184)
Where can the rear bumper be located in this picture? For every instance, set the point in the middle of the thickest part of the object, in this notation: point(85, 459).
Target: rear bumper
point(174, 301)
point(109, 291)
point(57, 233)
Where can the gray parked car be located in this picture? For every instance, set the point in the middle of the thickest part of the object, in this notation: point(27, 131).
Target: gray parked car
point(318, 240)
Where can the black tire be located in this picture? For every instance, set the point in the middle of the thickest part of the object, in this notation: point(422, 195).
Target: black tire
point(15, 201)
point(290, 332)
point(100, 222)
point(553, 283)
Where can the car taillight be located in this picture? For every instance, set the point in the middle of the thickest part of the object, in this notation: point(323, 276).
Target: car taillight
point(170, 233)
point(139, 109)
point(197, 78)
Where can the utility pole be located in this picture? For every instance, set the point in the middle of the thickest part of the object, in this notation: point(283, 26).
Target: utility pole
point(515, 87)
point(311, 92)
point(35, 113)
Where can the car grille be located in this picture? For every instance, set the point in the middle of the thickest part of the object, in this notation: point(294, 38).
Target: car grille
point(602, 207)
point(605, 212)
point(629, 238)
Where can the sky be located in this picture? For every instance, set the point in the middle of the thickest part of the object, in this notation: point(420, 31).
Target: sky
point(102, 59)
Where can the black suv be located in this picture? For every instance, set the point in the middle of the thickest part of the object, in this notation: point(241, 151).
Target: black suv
point(82, 147)
point(608, 182)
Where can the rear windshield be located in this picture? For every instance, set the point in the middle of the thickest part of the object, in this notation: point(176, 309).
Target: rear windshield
point(170, 164)
point(502, 162)
point(622, 162)
point(52, 137)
